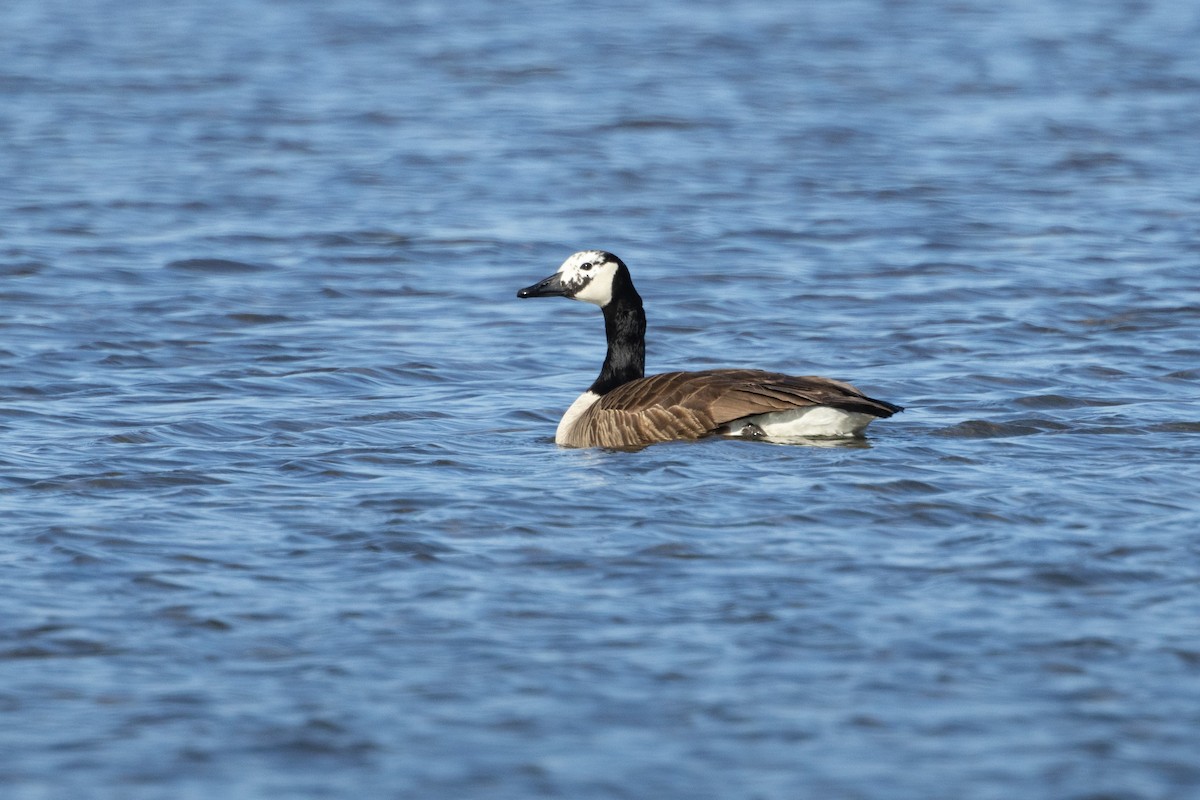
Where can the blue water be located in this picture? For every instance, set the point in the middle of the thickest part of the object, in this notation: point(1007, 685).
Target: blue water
point(282, 512)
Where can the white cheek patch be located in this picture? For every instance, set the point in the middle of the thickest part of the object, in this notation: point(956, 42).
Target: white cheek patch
point(597, 288)
point(593, 285)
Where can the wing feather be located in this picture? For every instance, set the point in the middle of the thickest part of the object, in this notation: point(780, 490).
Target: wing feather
point(690, 405)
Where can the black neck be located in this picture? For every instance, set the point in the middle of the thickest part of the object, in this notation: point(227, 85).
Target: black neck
point(625, 327)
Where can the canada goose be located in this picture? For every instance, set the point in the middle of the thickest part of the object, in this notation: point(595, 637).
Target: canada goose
point(622, 408)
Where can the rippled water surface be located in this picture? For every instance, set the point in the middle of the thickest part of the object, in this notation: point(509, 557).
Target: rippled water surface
point(282, 513)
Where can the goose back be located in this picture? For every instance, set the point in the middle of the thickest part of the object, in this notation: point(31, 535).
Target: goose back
point(692, 405)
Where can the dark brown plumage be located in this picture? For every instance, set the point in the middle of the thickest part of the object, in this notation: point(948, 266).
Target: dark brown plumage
point(692, 405)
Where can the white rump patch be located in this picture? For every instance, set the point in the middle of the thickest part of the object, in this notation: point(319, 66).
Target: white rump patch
point(810, 421)
point(581, 404)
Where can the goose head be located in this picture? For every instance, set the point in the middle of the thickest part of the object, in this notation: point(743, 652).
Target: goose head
point(593, 276)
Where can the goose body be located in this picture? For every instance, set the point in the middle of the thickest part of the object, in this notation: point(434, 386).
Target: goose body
point(623, 408)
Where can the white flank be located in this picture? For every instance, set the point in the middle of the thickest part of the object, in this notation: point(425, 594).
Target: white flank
point(581, 404)
point(810, 421)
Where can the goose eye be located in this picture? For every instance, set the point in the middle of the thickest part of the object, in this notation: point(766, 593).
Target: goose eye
point(585, 266)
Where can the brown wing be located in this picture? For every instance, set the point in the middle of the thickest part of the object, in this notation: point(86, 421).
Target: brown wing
point(689, 405)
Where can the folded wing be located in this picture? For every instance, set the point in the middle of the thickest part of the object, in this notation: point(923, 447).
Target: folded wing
point(691, 405)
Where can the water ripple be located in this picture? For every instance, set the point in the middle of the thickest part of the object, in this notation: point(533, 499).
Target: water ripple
point(284, 516)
